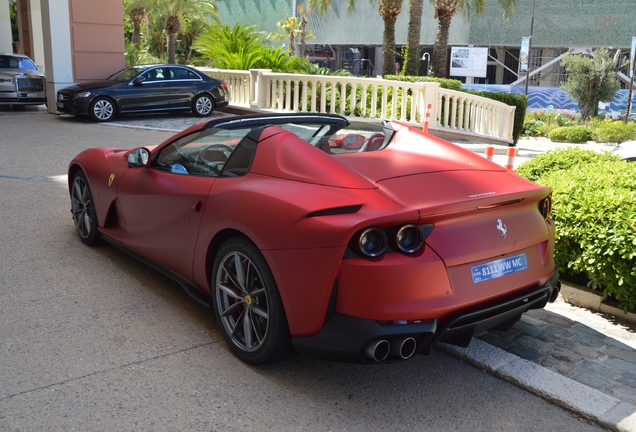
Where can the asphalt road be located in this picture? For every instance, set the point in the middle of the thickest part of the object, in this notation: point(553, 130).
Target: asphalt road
point(93, 340)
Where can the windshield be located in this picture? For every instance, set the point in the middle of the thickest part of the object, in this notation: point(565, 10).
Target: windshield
point(229, 152)
point(12, 62)
point(126, 74)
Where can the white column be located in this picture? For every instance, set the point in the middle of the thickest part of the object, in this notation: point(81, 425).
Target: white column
point(5, 28)
point(35, 30)
point(58, 59)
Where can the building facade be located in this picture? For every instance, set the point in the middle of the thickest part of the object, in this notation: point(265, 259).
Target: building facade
point(80, 40)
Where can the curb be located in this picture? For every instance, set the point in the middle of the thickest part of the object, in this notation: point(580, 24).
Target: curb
point(585, 401)
point(587, 298)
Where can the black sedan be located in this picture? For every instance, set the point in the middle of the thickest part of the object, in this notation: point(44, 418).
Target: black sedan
point(145, 88)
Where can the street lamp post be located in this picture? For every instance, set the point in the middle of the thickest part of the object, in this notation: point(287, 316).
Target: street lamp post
point(530, 48)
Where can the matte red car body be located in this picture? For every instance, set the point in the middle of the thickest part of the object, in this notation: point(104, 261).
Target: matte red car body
point(174, 220)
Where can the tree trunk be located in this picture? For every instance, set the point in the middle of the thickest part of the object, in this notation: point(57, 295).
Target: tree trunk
point(413, 39)
point(171, 48)
point(389, 11)
point(441, 47)
point(303, 29)
point(587, 111)
point(136, 36)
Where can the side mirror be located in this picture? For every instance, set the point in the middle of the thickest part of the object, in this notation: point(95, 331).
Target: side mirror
point(138, 157)
point(137, 81)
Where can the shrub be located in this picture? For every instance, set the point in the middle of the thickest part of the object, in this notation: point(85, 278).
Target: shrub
point(561, 159)
point(447, 83)
point(615, 131)
point(594, 209)
point(575, 134)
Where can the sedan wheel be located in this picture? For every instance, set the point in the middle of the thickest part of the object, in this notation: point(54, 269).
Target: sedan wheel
point(202, 105)
point(83, 210)
point(247, 304)
point(102, 110)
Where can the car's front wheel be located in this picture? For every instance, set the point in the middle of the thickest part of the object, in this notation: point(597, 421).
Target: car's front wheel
point(202, 105)
point(247, 304)
point(83, 210)
point(101, 109)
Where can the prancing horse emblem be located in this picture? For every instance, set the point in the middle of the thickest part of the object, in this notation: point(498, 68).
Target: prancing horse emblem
point(501, 227)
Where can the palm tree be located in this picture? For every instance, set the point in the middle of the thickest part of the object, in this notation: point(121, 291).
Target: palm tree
point(290, 26)
point(389, 11)
point(445, 10)
point(176, 10)
point(413, 37)
point(137, 10)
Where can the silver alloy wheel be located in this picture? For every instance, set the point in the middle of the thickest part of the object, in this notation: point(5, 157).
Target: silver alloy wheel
point(82, 207)
point(103, 109)
point(242, 301)
point(203, 105)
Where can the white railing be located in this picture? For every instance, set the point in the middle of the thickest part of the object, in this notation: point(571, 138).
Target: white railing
point(451, 111)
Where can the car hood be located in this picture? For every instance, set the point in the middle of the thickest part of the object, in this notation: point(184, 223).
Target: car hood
point(92, 85)
point(21, 72)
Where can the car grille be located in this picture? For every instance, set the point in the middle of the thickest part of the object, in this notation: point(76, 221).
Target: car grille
point(30, 84)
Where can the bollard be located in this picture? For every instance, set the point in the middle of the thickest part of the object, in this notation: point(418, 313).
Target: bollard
point(428, 116)
point(511, 152)
point(490, 152)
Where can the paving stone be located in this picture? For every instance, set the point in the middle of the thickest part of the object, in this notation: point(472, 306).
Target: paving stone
point(628, 379)
point(628, 355)
point(559, 321)
point(623, 392)
point(532, 320)
point(552, 332)
point(534, 343)
point(601, 369)
point(566, 356)
point(511, 333)
point(526, 353)
point(589, 352)
point(562, 368)
point(591, 341)
point(585, 330)
point(629, 351)
point(528, 329)
point(498, 341)
point(622, 365)
point(593, 380)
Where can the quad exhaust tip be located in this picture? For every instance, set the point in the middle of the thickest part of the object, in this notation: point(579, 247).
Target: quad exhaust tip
point(403, 347)
point(377, 350)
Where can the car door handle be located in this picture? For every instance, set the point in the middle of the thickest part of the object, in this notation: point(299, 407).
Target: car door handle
point(197, 206)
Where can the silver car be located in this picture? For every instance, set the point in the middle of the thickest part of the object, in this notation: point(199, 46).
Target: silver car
point(626, 150)
point(21, 81)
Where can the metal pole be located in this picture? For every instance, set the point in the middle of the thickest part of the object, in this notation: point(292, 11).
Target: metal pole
point(530, 48)
point(631, 87)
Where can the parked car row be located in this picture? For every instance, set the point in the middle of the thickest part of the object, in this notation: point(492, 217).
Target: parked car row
point(137, 89)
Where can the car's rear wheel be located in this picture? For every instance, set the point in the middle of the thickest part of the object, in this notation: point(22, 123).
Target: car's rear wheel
point(101, 109)
point(202, 105)
point(83, 210)
point(247, 304)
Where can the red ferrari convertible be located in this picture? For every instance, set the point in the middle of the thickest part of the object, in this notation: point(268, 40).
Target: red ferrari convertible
point(310, 233)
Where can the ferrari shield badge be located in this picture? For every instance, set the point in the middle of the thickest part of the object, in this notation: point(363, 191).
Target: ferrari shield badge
point(110, 179)
point(501, 228)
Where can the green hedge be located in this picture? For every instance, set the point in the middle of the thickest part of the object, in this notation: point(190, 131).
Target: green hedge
point(594, 208)
point(447, 83)
point(575, 134)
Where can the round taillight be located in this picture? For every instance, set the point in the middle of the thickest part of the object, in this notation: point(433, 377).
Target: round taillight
point(409, 239)
point(372, 242)
point(545, 206)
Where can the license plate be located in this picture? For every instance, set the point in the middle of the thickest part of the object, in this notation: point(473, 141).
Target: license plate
point(60, 105)
point(499, 268)
point(32, 95)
